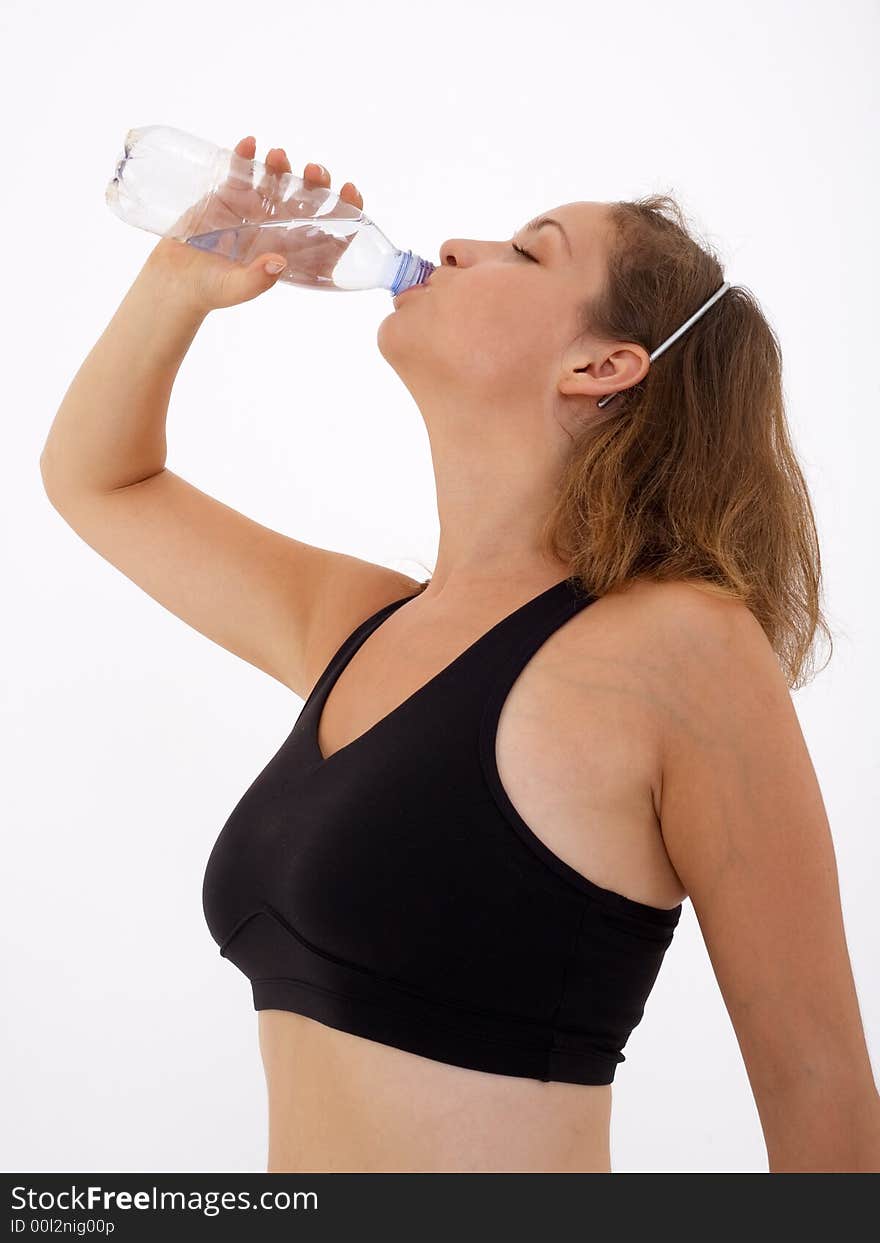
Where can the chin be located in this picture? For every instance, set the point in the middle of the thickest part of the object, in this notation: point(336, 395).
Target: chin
point(394, 343)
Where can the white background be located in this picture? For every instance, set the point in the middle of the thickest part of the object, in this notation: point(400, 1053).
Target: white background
point(128, 1043)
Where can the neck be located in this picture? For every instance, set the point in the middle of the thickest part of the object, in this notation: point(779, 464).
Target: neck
point(492, 503)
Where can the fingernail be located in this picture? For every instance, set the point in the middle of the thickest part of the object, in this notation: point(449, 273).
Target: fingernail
point(274, 266)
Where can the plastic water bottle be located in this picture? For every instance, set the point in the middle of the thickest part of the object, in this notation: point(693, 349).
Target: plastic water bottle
point(171, 183)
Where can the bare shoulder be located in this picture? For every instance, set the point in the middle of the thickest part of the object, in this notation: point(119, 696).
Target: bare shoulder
point(685, 606)
point(713, 663)
point(686, 659)
point(346, 600)
point(671, 639)
point(689, 626)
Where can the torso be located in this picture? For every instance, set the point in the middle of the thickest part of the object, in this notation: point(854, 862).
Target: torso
point(578, 753)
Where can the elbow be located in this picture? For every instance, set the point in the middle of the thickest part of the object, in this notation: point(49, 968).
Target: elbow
point(823, 1129)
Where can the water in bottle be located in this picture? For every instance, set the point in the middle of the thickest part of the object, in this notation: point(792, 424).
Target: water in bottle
point(177, 185)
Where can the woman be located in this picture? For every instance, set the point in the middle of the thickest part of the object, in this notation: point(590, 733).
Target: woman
point(453, 886)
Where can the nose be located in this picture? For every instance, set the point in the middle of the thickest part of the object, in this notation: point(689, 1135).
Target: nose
point(459, 252)
point(452, 251)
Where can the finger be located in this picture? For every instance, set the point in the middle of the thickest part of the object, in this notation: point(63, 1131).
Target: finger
point(318, 175)
point(275, 164)
point(240, 176)
point(352, 195)
point(282, 161)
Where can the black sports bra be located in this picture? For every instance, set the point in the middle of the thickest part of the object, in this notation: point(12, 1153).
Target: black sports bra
point(393, 891)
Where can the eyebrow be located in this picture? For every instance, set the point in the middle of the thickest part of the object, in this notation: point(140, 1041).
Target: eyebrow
point(534, 225)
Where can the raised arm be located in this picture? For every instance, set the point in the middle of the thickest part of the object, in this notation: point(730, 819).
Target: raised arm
point(278, 603)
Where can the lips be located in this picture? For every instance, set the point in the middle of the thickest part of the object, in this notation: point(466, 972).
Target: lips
point(406, 291)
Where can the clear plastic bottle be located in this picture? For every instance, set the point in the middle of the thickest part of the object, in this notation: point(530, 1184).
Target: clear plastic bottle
point(170, 183)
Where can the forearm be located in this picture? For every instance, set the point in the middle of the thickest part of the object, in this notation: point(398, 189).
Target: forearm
point(110, 428)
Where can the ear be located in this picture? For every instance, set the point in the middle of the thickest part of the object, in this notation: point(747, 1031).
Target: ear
point(593, 370)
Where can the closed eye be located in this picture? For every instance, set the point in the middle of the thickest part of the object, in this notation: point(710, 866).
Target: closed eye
point(520, 251)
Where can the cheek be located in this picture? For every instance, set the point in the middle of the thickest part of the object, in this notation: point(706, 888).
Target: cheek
point(492, 332)
point(497, 323)
point(514, 340)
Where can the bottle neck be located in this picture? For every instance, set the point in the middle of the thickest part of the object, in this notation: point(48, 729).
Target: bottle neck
point(412, 270)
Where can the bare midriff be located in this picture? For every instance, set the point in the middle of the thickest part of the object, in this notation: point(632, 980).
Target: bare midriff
point(342, 1104)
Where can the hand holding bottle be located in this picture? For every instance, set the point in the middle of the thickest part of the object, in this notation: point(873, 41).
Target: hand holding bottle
point(210, 278)
point(241, 212)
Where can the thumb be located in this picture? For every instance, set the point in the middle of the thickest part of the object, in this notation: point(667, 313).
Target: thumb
point(241, 284)
point(272, 265)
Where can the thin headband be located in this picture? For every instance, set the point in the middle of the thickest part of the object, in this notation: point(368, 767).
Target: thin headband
point(666, 344)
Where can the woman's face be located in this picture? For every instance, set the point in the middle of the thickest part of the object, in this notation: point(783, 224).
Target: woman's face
point(493, 326)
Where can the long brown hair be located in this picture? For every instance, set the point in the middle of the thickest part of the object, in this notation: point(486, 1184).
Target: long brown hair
point(691, 474)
